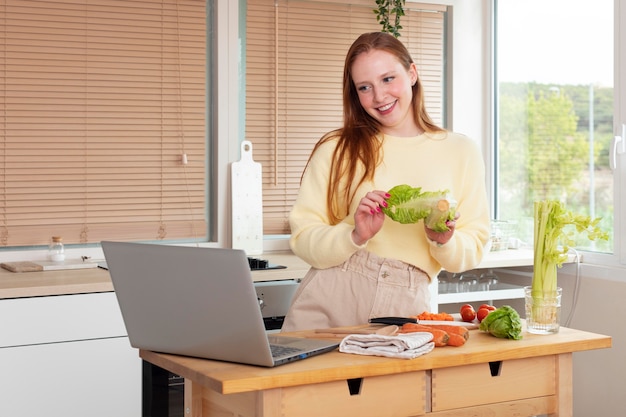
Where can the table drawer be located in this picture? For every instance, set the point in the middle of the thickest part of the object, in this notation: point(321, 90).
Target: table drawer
point(471, 385)
point(389, 395)
point(397, 395)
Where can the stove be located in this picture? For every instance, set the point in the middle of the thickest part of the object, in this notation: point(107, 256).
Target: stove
point(274, 300)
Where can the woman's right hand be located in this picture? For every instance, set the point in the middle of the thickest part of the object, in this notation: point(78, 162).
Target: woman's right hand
point(369, 217)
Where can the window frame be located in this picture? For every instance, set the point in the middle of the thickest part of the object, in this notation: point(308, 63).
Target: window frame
point(108, 78)
point(595, 259)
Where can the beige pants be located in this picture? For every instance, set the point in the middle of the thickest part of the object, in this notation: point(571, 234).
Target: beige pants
point(363, 287)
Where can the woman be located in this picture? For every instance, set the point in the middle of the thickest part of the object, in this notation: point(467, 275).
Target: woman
point(363, 264)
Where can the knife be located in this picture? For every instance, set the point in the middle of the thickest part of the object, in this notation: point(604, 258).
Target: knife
point(398, 321)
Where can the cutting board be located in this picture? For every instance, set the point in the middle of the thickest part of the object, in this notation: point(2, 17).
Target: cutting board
point(247, 202)
point(469, 326)
point(36, 266)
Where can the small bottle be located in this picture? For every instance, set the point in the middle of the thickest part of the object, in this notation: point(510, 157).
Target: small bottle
point(56, 250)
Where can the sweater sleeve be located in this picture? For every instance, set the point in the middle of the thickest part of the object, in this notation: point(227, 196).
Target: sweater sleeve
point(313, 238)
point(466, 248)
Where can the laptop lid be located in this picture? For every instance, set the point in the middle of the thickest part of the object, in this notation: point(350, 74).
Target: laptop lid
point(196, 302)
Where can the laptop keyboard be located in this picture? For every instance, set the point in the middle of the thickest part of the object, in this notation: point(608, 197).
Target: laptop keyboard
point(279, 350)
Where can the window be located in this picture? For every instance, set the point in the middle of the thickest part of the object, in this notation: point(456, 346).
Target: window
point(555, 111)
point(99, 101)
point(295, 52)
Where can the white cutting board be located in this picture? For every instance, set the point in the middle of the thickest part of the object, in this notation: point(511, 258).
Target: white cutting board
point(247, 202)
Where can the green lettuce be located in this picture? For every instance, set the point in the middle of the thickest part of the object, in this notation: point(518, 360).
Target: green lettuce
point(409, 205)
point(503, 322)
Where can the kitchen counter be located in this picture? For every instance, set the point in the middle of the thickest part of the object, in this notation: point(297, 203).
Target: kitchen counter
point(63, 282)
point(91, 280)
point(527, 377)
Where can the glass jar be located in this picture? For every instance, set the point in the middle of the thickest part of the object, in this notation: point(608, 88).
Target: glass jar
point(56, 250)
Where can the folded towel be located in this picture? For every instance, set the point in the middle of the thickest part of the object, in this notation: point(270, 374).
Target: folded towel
point(408, 346)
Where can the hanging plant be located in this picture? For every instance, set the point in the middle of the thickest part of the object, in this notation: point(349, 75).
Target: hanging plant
point(385, 11)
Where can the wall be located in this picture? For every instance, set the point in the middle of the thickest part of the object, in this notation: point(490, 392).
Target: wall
point(599, 376)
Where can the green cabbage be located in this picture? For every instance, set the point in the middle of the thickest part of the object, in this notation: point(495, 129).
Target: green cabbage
point(410, 205)
point(503, 322)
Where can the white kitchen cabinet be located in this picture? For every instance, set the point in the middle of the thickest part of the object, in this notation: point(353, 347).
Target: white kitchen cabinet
point(67, 356)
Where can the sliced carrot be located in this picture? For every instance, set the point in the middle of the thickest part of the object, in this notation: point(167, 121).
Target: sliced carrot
point(434, 316)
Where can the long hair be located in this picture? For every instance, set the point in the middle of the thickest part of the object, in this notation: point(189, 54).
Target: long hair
point(358, 149)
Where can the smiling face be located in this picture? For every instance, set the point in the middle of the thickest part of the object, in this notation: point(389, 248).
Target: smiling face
point(384, 89)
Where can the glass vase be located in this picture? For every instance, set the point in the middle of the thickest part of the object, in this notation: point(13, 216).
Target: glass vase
point(543, 311)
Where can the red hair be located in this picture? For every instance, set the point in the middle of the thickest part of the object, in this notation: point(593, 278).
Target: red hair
point(357, 143)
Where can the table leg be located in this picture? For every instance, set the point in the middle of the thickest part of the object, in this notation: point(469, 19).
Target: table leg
point(193, 399)
point(564, 385)
point(155, 391)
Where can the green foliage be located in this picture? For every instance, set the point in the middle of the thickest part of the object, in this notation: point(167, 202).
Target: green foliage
point(602, 117)
point(543, 151)
point(385, 11)
point(558, 152)
point(552, 240)
point(540, 145)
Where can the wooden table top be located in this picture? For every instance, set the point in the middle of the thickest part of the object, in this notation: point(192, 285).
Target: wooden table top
point(229, 378)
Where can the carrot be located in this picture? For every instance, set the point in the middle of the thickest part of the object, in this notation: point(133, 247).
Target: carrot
point(440, 337)
point(443, 334)
point(456, 339)
point(434, 316)
point(450, 329)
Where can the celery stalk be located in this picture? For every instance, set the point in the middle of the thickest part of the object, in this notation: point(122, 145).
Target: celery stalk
point(552, 242)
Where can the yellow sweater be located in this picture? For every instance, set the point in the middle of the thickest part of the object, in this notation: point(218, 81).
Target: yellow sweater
point(444, 161)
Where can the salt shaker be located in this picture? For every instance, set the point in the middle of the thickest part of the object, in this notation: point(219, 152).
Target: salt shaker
point(56, 250)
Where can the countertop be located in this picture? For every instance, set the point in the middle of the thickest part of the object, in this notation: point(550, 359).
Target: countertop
point(90, 280)
point(66, 282)
point(228, 378)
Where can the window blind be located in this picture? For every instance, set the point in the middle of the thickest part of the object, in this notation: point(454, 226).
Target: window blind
point(294, 67)
point(99, 102)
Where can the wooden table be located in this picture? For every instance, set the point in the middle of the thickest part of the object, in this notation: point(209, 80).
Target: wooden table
point(486, 376)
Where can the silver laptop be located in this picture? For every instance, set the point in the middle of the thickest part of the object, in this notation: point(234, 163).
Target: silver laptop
point(197, 302)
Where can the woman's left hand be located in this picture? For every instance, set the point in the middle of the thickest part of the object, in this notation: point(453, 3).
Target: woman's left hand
point(442, 237)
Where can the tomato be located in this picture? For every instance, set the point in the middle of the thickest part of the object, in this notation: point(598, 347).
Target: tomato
point(482, 313)
point(468, 314)
point(487, 306)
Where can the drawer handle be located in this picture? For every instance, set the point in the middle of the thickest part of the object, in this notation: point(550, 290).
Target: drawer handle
point(494, 368)
point(354, 385)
